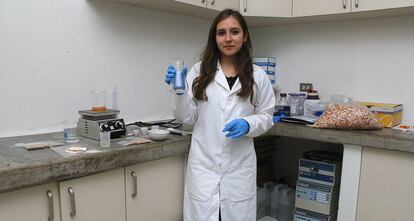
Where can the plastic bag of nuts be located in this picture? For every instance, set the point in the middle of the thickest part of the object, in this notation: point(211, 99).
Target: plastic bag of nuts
point(347, 116)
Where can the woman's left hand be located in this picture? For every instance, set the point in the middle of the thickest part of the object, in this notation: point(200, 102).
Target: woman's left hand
point(237, 128)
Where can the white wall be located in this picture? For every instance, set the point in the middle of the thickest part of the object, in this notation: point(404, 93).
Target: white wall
point(54, 52)
point(368, 60)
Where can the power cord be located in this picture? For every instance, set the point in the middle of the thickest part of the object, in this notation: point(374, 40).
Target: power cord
point(167, 124)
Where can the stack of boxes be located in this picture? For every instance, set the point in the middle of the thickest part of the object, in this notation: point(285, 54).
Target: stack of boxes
point(390, 115)
point(317, 191)
point(268, 64)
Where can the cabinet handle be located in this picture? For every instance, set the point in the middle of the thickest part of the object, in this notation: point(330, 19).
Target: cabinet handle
point(135, 185)
point(212, 2)
point(72, 202)
point(356, 3)
point(202, 1)
point(50, 202)
point(245, 5)
point(344, 4)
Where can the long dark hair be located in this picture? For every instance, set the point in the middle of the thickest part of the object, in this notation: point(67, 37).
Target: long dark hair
point(211, 55)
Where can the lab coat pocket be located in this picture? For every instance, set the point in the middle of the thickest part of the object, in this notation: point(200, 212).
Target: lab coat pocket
point(240, 183)
point(202, 181)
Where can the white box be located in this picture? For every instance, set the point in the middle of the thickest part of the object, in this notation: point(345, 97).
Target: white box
point(265, 61)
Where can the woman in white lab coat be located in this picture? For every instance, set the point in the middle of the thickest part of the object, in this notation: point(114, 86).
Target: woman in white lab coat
point(229, 101)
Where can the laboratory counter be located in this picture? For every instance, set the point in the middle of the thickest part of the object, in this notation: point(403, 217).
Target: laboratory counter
point(20, 168)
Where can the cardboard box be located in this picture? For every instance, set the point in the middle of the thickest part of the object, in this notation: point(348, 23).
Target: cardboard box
point(265, 61)
point(390, 115)
point(268, 64)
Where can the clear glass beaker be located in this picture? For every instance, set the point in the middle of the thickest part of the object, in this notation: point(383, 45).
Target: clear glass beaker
point(70, 131)
point(178, 83)
point(98, 100)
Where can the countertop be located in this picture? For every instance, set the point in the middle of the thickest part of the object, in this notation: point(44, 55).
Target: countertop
point(385, 138)
point(20, 168)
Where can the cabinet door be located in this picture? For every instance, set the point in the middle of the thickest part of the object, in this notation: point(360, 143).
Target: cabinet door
point(97, 197)
point(159, 190)
point(366, 5)
point(266, 8)
point(39, 203)
point(201, 3)
point(222, 4)
point(386, 185)
point(320, 7)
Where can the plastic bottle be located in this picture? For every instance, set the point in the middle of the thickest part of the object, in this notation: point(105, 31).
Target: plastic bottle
point(261, 200)
point(301, 107)
point(311, 99)
point(267, 218)
point(294, 104)
point(285, 204)
point(274, 199)
point(269, 188)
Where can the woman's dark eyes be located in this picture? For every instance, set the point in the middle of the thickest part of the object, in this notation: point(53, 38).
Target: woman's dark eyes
point(234, 32)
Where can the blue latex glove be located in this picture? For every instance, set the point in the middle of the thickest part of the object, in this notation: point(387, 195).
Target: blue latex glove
point(277, 119)
point(171, 74)
point(237, 128)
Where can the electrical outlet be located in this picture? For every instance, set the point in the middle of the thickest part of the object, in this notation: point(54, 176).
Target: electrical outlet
point(304, 87)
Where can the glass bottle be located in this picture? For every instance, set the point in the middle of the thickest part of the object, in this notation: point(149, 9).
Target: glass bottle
point(283, 99)
point(282, 107)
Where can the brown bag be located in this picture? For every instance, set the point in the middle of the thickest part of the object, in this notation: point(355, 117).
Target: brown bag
point(347, 116)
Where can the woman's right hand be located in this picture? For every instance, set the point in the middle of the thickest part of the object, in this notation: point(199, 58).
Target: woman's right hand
point(170, 74)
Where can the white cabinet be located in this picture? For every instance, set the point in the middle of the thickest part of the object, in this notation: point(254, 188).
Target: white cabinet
point(154, 190)
point(97, 197)
point(320, 7)
point(222, 4)
point(213, 4)
point(266, 8)
point(324, 7)
point(40, 203)
point(386, 183)
point(159, 188)
point(201, 3)
point(366, 5)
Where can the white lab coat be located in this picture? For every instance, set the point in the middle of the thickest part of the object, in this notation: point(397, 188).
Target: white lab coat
point(221, 172)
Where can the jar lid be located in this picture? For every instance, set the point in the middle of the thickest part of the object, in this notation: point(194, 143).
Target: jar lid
point(312, 97)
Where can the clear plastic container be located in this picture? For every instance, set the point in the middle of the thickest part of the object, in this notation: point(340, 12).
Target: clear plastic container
point(274, 199)
point(261, 201)
point(286, 204)
point(294, 100)
point(105, 138)
point(301, 107)
point(311, 101)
